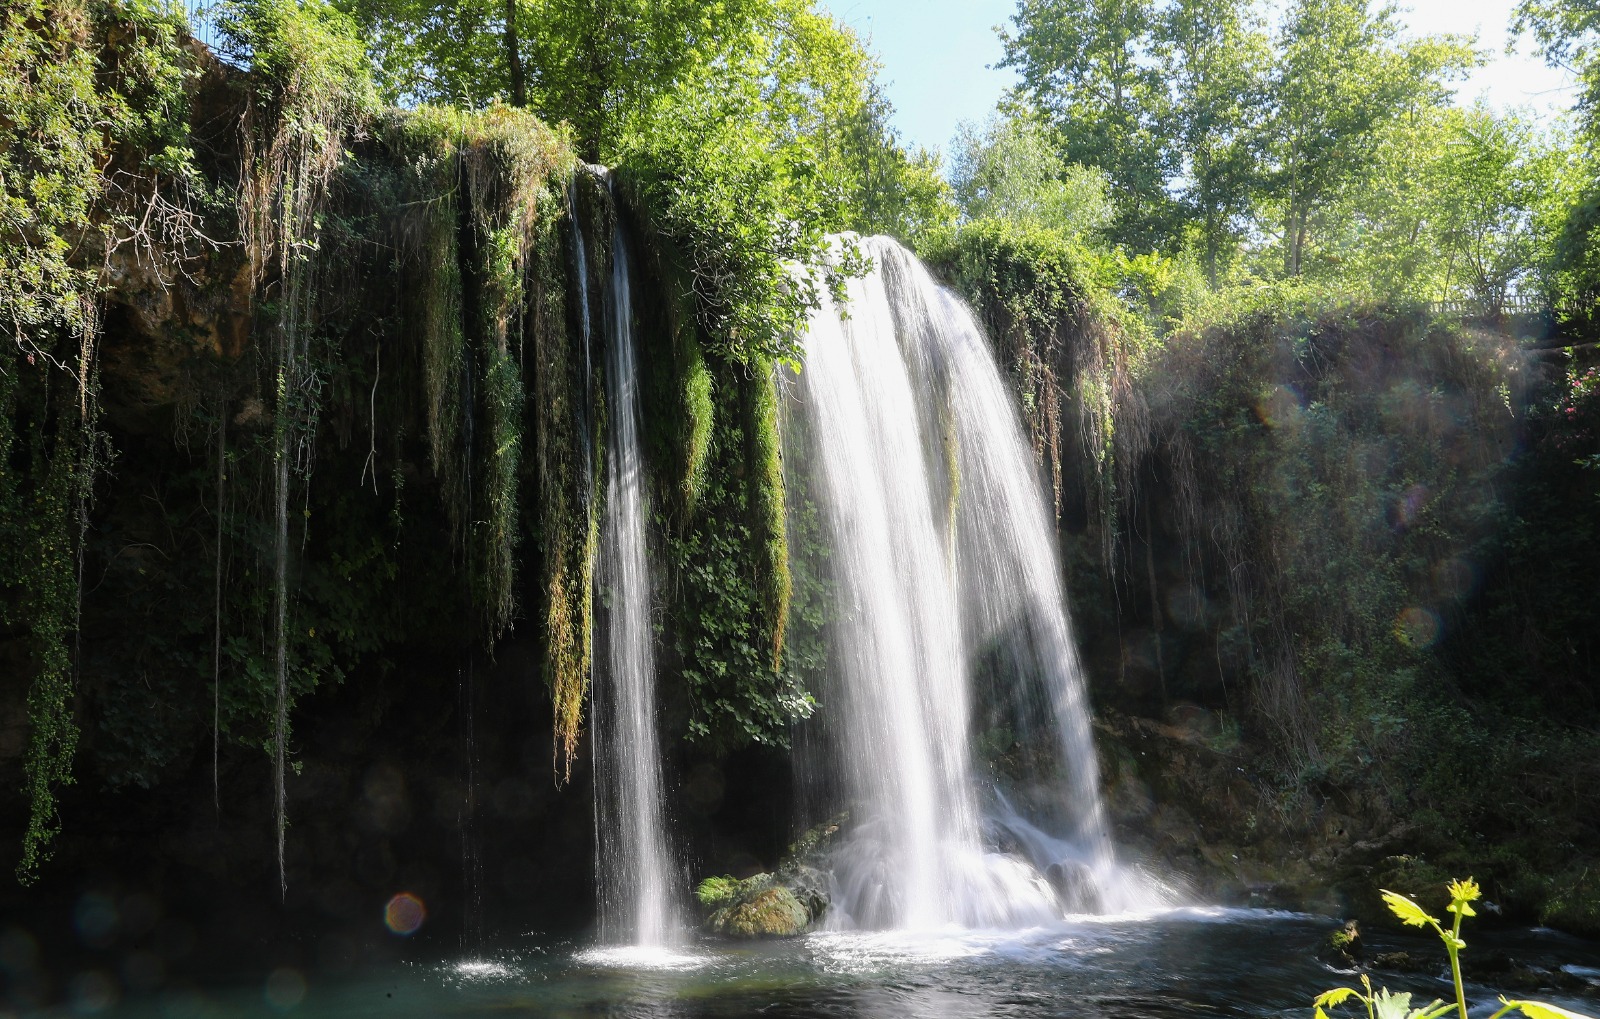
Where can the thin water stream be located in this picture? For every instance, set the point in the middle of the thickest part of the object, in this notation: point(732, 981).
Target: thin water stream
point(637, 879)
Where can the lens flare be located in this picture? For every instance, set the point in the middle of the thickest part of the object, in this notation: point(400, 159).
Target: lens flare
point(404, 914)
point(285, 988)
point(1417, 627)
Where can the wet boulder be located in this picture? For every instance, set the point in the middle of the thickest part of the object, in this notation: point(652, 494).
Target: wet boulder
point(756, 907)
point(1074, 884)
point(1342, 947)
point(790, 901)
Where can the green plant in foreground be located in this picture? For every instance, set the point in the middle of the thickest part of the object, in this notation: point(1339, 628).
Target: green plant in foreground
point(1381, 1004)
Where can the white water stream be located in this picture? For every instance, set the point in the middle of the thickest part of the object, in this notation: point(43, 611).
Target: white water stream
point(637, 878)
point(908, 417)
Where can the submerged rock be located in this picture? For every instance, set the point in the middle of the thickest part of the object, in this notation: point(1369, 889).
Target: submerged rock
point(1074, 884)
point(1400, 962)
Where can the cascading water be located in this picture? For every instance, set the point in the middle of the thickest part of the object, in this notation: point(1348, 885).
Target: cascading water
point(908, 422)
point(636, 876)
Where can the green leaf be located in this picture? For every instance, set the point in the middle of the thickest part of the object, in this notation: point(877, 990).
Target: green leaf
point(1334, 997)
point(1391, 1006)
point(1409, 912)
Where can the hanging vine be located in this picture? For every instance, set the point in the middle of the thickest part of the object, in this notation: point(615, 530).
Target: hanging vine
point(312, 85)
point(49, 452)
point(568, 420)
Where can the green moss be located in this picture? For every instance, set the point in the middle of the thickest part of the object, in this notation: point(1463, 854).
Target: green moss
point(757, 907)
point(481, 237)
point(84, 86)
point(678, 397)
point(1072, 350)
point(715, 892)
point(770, 913)
point(427, 235)
point(698, 417)
point(725, 601)
point(764, 467)
point(1572, 901)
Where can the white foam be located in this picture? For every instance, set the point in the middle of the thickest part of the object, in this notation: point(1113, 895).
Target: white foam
point(481, 971)
point(641, 957)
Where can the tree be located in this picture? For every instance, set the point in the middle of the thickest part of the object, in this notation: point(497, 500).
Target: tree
point(1567, 33)
point(1341, 75)
point(1507, 192)
point(1218, 54)
point(1010, 169)
point(1088, 69)
point(594, 64)
point(454, 53)
point(1384, 234)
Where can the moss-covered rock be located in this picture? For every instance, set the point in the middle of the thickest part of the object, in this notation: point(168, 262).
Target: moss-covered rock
point(757, 907)
point(1342, 947)
point(785, 903)
point(772, 912)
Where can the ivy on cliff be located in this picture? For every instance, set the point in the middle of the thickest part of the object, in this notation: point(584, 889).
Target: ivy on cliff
point(85, 87)
point(726, 626)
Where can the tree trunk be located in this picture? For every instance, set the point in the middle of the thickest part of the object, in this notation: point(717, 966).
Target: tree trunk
point(519, 87)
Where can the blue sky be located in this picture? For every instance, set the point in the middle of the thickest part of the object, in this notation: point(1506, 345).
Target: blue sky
point(937, 56)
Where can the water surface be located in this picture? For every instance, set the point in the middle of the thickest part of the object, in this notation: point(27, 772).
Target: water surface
point(1186, 962)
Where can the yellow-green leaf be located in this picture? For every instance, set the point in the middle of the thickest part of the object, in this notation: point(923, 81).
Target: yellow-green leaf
point(1409, 912)
point(1462, 893)
point(1333, 997)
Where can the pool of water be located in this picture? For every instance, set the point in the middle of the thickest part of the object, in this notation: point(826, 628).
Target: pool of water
point(1185, 962)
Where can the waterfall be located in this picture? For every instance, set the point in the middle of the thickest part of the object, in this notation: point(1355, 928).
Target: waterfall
point(636, 876)
point(945, 570)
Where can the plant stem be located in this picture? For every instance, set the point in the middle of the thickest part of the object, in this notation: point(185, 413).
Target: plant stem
point(1455, 964)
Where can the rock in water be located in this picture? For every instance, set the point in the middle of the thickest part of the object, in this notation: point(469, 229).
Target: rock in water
point(773, 912)
point(1075, 886)
point(779, 905)
point(1343, 946)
